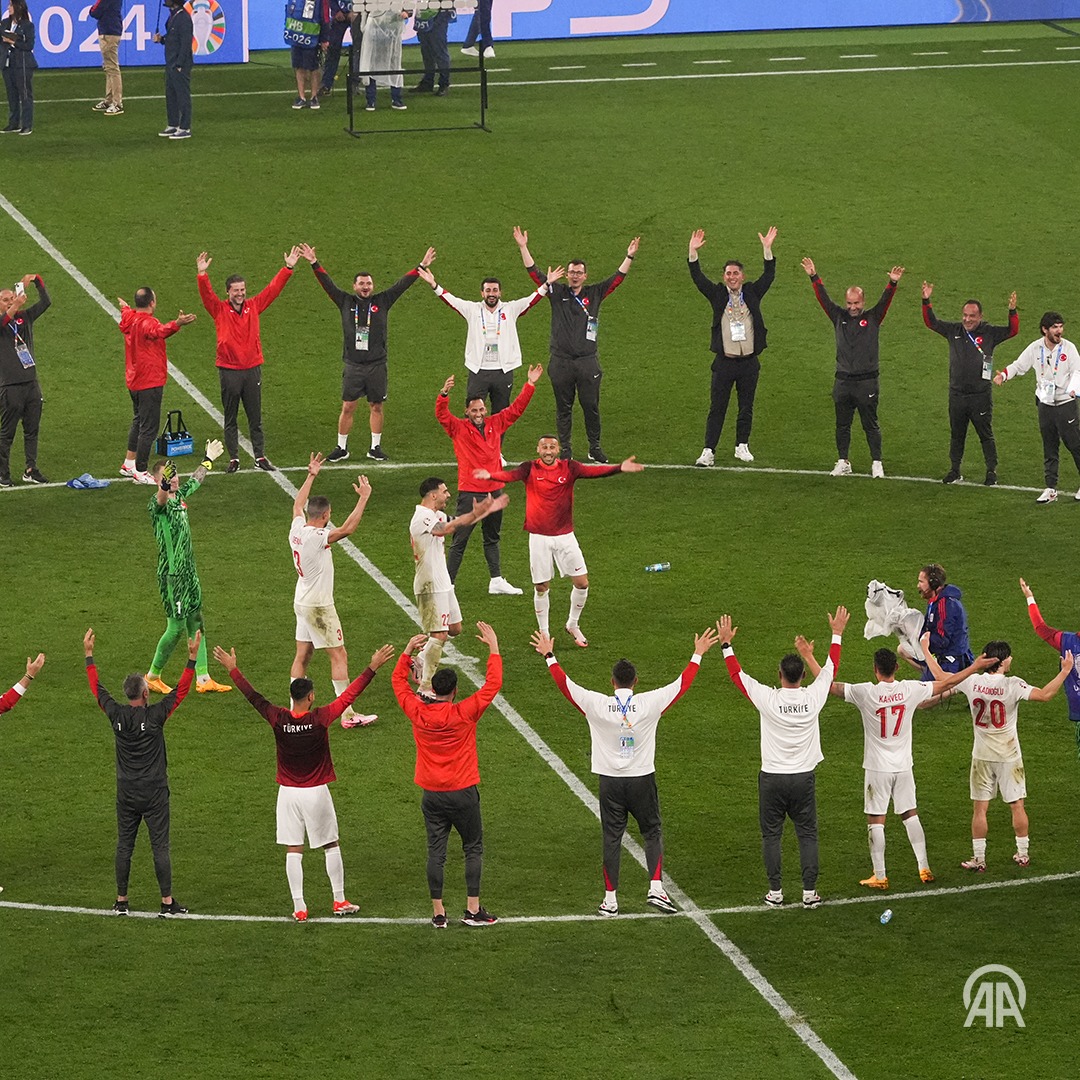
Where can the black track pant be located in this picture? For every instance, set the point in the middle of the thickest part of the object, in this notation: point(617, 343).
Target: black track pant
point(790, 795)
point(133, 807)
point(444, 810)
point(637, 795)
point(1057, 424)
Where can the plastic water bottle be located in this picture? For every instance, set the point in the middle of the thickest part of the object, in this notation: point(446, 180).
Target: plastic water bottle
point(886, 915)
point(657, 567)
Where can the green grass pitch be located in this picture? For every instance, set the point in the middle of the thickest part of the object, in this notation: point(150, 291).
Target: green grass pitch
point(936, 152)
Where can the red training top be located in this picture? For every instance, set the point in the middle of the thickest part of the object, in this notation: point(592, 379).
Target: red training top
point(549, 491)
point(238, 344)
point(445, 731)
point(145, 362)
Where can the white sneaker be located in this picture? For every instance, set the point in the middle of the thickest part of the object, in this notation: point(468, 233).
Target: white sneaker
point(841, 468)
point(1077, 496)
point(128, 470)
point(742, 452)
point(1049, 495)
point(877, 470)
point(499, 586)
point(489, 53)
point(707, 459)
point(144, 478)
point(470, 50)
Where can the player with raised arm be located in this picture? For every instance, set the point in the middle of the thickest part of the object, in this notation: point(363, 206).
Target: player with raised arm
point(304, 769)
point(440, 615)
point(996, 762)
point(311, 540)
point(142, 779)
point(178, 580)
point(887, 708)
point(790, 751)
point(549, 520)
point(623, 731)
point(1064, 641)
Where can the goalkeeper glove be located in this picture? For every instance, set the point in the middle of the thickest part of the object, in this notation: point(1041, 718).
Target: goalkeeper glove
point(167, 474)
point(214, 450)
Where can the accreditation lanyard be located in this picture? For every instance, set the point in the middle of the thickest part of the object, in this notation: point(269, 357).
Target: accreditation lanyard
point(987, 362)
point(738, 327)
point(592, 323)
point(362, 332)
point(22, 350)
point(1055, 354)
point(485, 328)
point(626, 728)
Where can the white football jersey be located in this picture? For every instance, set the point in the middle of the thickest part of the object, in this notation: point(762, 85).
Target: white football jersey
point(429, 552)
point(314, 563)
point(993, 700)
point(887, 710)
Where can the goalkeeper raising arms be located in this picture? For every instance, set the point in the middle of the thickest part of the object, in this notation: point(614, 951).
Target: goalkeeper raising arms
point(178, 580)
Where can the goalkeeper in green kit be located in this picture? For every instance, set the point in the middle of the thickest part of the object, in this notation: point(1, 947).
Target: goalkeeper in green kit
point(178, 579)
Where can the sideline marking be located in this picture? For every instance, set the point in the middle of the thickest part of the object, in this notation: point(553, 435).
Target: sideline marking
point(974, 65)
point(470, 667)
point(782, 59)
point(997, 51)
point(712, 61)
point(527, 920)
point(568, 67)
point(866, 55)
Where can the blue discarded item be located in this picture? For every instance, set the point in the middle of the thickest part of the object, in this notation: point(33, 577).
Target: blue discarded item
point(86, 481)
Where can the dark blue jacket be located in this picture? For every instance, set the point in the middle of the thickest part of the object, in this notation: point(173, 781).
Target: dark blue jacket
point(20, 56)
point(178, 32)
point(110, 17)
point(946, 621)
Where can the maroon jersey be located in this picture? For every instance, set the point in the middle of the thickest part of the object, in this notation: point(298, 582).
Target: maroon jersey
point(549, 492)
point(303, 742)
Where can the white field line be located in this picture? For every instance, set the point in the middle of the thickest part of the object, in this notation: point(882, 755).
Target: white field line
point(785, 59)
point(471, 667)
point(529, 920)
point(866, 55)
point(773, 73)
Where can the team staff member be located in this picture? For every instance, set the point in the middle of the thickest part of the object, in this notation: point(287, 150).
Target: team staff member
point(477, 445)
point(142, 778)
point(945, 621)
point(239, 351)
point(738, 340)
point(20, 392)
point(574, 364)
point(146, 370)
point(1057, 377)
point(365, 315)
point(857, 364)
point(790, 751)
point(18, 64)
point(492, 349)
point(179, 60)
point(623, 731)
point(972, 341)
point(549, 521)
point(304, 771)
point(448, 770)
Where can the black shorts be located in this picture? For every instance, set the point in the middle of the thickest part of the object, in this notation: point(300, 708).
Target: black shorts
point(305, 59)
point(364, 380)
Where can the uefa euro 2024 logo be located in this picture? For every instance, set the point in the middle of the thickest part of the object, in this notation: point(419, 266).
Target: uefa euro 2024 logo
point(207, 26)
point(994, 998)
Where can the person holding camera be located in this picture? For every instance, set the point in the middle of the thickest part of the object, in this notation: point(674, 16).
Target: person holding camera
point(20, 391)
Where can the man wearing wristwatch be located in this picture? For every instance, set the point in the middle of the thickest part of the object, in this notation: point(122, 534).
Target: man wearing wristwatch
point(364, 323)
point(178, 580)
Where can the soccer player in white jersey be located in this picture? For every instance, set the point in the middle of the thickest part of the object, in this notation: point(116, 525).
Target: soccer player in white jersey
point(996, 762)
point(311, 538)
point(790, 751)
point(623, 730)
point(887, 708)
point(440, 615)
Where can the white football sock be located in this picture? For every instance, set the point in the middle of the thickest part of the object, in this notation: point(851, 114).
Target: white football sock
point(542, 605)
point(1022, 844)
point(978, 848)
point(340, 686)
point(431, 656)
point(656, 887)
point(376, 438)
point(918, 840)
point(343, 441)
point(610, 899)
point(577, 604)
point(876, 836)
point(335, 870)
point(294, 871)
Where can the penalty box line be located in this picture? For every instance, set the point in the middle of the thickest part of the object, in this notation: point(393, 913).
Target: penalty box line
point(528, 920)
point(471, 667)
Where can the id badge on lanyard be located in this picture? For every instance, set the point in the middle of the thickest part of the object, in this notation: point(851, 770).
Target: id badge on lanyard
point(738, 331)
point(1044, 391)
point(23, 352)
point(626, 740)
point(987, 361)
point(362, 332)
point(592, 327)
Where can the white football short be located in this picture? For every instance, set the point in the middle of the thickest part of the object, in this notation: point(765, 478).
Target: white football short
point(882, 786)
point(319, 625)
point(438, 611)
point(562, 551)
point(990, 777)
point(306, 808)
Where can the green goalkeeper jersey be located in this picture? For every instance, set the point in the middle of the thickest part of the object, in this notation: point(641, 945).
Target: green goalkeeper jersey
point(178, 580)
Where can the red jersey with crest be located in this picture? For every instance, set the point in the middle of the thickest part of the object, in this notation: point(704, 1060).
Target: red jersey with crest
point(549, 492)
